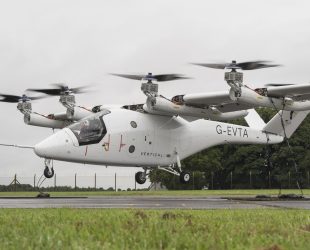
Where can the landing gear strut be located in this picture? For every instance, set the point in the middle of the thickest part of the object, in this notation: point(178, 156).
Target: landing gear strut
point(185, 177)
point(48, 171)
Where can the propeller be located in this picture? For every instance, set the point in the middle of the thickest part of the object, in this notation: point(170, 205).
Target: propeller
point(149, 77)
point(251, 65)
point(61, 89)
point(16, 98)
point(278, 84)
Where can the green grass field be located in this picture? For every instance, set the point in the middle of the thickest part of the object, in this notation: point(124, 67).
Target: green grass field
point(161, 193)
point(154, 229)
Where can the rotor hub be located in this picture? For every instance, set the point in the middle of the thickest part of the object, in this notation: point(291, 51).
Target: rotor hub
point(234, 76)
point(149, 88)
point(24, 107)
point(67, 100)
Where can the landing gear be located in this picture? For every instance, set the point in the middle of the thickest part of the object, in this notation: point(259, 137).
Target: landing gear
point(185, 177)
point(140, 177)
point(48, 171)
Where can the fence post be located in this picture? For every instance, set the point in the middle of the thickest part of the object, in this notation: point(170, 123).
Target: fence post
point(115, 183)
point(55, 181)
point(193, 180)
point(155, 179)
point(231, 180)
point(15, 182)
point(75, 181)
point(269, 180)
point(289, 179)
point(95, 181)
point(212, 180)
point(250, 179)
point(34, 180)
point(135, 184)
point(308, 179)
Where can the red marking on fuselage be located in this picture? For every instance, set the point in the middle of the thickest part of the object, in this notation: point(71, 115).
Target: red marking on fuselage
point(106, 145)
point(121, 144)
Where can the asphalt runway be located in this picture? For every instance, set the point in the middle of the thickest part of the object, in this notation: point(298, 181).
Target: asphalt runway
point(148, 202)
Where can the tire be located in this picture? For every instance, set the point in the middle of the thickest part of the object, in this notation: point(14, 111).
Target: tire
point(140, 177)
point(48, 173)
point(185, 177)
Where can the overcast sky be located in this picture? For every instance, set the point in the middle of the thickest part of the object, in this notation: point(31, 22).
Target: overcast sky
point(80, 42)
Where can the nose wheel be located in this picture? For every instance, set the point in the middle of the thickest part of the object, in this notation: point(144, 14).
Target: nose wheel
point(49, 170)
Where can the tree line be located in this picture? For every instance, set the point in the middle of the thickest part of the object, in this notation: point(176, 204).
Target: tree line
point(248, 166)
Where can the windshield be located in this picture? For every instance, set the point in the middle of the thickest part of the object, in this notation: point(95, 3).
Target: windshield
point(90, 130)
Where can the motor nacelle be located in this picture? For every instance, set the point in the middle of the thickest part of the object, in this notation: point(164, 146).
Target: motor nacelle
point(78, 113)
point(160, 105)
point(44, 121)
point(259, 97)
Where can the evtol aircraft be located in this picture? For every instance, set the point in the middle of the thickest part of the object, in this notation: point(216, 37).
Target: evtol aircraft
point(161, 132)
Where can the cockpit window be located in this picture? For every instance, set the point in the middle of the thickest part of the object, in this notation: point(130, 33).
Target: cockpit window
point(90, 130)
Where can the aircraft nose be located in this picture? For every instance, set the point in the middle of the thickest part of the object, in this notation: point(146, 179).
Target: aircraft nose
point(53, 146)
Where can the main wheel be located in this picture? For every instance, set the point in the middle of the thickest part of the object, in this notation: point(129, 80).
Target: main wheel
point(185, 177)
point(48, 173)
point(140, 177)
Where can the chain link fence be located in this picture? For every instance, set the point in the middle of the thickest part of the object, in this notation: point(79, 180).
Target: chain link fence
point(74, 182)
point(199, 180)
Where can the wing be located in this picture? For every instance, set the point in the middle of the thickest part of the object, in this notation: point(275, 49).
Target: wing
point(219, 100)
point(296, 92)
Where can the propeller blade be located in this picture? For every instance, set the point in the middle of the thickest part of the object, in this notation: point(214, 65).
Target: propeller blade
point(47, 91)
point(60, 90)
point(79, 90)
point(16, 98)
point(256, 65)
point(9, 98)
point(169, 77)
point(132, 77)
point(59, 85)
point(212, 65)
point(278, 84)
point(251, 65)
point(150, 76)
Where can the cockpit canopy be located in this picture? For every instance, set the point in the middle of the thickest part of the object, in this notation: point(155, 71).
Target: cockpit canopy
point(90, 130)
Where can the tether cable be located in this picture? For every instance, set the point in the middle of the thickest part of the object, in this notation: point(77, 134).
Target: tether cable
point(286, 139)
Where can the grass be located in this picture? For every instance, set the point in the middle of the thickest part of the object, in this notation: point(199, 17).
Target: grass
point(251, 192)
point(154, 229)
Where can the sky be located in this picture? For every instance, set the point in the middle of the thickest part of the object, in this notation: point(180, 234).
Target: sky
point(80, 42)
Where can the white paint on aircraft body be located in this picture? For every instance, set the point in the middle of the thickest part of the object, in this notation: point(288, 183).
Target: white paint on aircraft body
point(251, 98)
point(157, 140)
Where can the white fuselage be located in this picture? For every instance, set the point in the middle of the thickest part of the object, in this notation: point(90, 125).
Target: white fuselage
point(138, 139)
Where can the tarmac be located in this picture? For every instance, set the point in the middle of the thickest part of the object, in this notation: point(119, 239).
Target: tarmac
point(151, 202)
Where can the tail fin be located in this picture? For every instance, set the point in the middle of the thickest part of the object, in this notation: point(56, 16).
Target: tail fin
point(285, 123)
point(254, 120)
